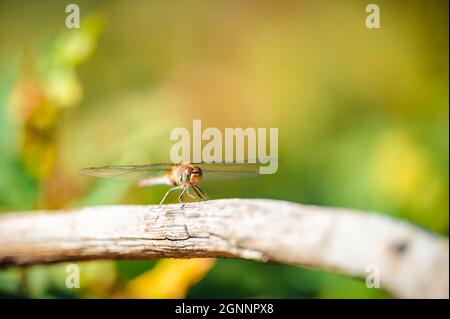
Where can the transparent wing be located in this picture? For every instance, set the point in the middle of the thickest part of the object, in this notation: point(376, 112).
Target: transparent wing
point(222, 171)
point(127, 170)
point(212, 176)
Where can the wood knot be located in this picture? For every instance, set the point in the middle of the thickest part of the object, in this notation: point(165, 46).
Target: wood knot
point(399, 248)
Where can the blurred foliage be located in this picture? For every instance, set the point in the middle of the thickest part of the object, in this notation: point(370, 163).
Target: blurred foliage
point(170, 278)
point(362, 117)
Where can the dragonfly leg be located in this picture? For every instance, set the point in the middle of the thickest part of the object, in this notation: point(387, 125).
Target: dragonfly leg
point(199, 192)
point(167, 194)
point(203, 194)
point(180, 198)
point(190, 195)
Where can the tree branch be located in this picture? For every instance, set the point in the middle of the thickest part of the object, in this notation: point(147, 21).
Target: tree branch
point(412, 263)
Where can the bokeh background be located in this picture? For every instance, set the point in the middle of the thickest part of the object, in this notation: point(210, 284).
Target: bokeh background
point(362, 117)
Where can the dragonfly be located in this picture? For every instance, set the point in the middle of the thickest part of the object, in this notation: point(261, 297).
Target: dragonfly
point(182, 176)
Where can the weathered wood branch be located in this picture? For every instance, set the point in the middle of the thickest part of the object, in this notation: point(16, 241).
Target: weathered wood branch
point(412, 263)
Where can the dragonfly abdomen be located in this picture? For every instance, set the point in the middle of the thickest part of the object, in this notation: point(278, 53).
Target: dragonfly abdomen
point(151, 181)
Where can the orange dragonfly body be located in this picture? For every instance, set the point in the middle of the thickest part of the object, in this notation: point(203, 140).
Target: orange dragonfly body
point(182, 176)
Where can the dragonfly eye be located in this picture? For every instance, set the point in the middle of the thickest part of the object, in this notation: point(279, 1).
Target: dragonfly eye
point(196, 175)
point(196, 171)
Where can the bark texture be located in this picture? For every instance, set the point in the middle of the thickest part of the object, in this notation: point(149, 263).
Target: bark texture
point(410, 262)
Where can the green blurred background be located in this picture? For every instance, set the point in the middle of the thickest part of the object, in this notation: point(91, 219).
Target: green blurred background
point(362, 117)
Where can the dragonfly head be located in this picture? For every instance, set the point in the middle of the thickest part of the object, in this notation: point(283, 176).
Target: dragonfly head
point(195, 175)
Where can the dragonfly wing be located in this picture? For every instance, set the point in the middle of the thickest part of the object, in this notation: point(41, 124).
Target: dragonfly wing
point(225, 175)
point(244, 163)
point(125, 171)
point(227, 170)
point(222, 171)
